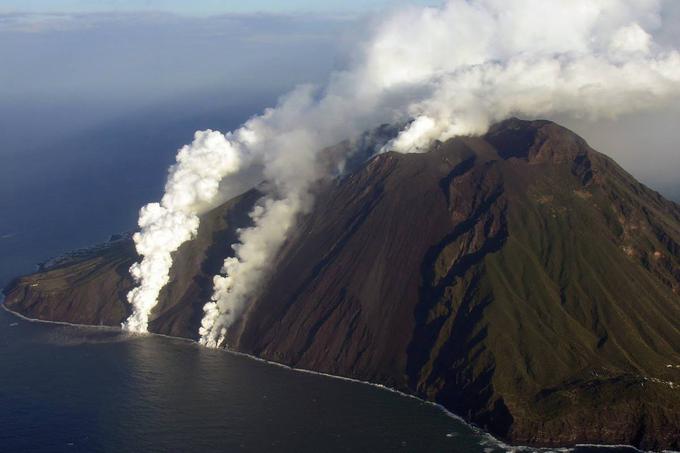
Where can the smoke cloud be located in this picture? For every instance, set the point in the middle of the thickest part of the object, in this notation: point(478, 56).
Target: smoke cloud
point(446, 71)
point(192, 186)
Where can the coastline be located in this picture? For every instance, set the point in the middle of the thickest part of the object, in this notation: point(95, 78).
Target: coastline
point(489, 439)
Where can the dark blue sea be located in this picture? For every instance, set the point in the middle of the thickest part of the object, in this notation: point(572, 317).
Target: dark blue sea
point(76, 389)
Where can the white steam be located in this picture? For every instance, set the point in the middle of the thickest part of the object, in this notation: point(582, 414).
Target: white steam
point(454, 70)
point(272, 220)
point(482, 61)
point(192, 186)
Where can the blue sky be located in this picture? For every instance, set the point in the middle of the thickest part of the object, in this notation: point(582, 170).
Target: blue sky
point(202, 7)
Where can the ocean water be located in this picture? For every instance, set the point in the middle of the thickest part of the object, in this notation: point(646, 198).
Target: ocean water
point(87, 389)
point(78, 389)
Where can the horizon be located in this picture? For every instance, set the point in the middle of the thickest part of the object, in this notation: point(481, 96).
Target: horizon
point(168, 61)
point(202, 8)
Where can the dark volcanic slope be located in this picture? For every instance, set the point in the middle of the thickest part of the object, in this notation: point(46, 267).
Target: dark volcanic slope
point(521, 279)
point(525, 281)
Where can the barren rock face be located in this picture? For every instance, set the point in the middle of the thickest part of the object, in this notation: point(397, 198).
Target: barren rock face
point(521, 279)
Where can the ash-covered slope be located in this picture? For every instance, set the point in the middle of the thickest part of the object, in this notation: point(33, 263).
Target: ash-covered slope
point(521, 279)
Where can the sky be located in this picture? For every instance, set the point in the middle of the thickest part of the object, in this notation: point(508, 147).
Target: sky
point(64, 73)
point(68, 65)
point(202, 7)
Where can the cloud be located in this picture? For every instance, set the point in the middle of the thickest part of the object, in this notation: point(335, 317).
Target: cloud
point(452, 70)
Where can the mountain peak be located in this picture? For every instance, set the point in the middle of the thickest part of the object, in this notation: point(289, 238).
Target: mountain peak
point(535, 141)
point(521, 279)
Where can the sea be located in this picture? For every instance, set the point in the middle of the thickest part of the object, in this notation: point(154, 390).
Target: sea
point(67, 388)
point(70, 388)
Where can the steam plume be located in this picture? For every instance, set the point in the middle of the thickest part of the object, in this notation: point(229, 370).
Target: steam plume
point(192, 186)
point(452, 70)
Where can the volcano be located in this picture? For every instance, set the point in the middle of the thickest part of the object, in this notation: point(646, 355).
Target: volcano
point(521, 279)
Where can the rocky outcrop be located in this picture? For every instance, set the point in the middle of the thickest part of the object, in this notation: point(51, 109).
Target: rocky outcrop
point(521, 279)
